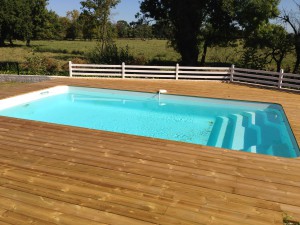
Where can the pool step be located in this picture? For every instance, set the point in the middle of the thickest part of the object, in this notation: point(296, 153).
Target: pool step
point(252, 149)
point(261, 129)
point(234, 137)
point(218, 131)
point(229, 132)
point(253, 132)
point(271, 131)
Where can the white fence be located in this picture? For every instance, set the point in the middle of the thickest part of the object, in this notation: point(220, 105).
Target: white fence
point(279, 80)
point(158, 72)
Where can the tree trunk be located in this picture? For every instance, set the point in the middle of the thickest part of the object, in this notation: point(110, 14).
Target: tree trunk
point(28, 42)
point(203, 58)
point(186, 38)
point(297, 48)
point(188, 48)
point(2, 44)
point(296, 68)
point(11, 42)
point(278, 64)
point(189, 56)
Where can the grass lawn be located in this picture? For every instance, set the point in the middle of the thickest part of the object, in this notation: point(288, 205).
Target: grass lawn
point(64, 50)
point(156, 51)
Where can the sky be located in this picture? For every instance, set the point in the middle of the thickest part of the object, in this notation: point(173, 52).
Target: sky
point(125, 10)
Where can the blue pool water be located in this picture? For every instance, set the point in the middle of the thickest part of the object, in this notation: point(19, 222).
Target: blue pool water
point(245, 126)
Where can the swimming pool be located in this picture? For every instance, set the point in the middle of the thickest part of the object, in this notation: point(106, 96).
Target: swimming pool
point(246, 126)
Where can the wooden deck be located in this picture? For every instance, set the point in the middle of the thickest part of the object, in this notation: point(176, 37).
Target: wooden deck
point(53, 174)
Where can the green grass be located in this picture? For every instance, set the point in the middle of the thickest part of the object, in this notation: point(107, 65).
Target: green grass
point(156, 51)
point(148, 49)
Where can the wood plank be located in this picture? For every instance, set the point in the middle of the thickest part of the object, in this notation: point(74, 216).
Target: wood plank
point(100, 177)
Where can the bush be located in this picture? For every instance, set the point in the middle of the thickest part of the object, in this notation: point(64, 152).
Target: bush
point(77, 52)
point(111, 54)
point(254, 59)
point(37, 65)
point(9, 67)
point(51, 66)
point(65, 67)
point(39, 49)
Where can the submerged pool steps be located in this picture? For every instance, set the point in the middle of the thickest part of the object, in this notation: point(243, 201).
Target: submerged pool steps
point(259, 128)
point(219, 129)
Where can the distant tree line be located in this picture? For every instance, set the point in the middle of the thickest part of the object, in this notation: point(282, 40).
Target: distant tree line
point(29, 19)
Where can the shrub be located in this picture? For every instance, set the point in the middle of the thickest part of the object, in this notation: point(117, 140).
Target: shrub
point(37, 65)
point(65, 67)
point(77, 52)
point(111, 54)
point(39, 49)
point(9, 67)
point(51, 66)
point(254, 59)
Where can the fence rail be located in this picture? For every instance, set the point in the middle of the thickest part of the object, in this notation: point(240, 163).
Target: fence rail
point(278, 80)
point(159, 72)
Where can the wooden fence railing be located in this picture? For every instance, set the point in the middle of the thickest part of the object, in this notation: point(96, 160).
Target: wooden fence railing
point(279, 80)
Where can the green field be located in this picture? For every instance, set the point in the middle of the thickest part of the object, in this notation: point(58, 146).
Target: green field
point(58, 53)
point(65, 50)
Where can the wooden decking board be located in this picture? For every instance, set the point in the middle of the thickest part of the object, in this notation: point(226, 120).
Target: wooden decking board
point(10, 217)
point(146, 160)
point(207, 211)
point(189, 151)
point(253, 172)
point(71, 160)
point(181, 188)
point(109, 178)
point(43, 213)
point(76, 213)
point(172, 222)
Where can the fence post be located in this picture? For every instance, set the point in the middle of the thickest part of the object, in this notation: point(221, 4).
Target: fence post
point(70, 69)
point(231, 73)
point(177, 71)
point(123, 70)
point(280, 78)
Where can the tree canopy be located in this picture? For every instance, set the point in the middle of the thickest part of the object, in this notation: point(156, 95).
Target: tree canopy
point(191, 19)
point(292, 19)
point(99, 12)
point(22, 19)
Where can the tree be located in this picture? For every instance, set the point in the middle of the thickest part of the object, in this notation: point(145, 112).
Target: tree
point(189, 19)
point(54, 27)
point(13, 15)
point(73, 28)
point(21, 19)
point(161, 30)
point(61, 24)
point(292, 19)
point(185, 18)
point(272, 39)
point(99, 12)
point(38, 15)
point(141, 30)
point(122, 29)
point(88, 26)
